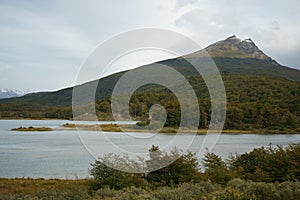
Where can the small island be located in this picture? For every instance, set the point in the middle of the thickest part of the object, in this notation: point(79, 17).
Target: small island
point(170, 130)
point(96, 127)
point(30, 128)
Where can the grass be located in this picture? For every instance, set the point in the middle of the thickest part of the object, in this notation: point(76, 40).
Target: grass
point(30, 128)
point(80, 190)
point(96, 127)
point(31, 186)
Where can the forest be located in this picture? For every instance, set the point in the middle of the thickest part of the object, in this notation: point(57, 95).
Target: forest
point(253, 103)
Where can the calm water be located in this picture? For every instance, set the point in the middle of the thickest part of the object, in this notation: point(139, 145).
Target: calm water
point(61, 154)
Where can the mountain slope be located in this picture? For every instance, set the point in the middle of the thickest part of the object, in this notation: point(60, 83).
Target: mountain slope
point(236, 58)
point(261, 94)
point(253, 102)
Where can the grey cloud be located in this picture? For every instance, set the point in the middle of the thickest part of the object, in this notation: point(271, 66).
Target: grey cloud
point(48, 40)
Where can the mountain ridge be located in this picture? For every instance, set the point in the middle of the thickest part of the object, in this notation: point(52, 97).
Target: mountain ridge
point(232, 56)
point(247, 46)
point(234, 47)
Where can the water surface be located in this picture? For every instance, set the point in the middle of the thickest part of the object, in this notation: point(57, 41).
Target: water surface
point(61, 154)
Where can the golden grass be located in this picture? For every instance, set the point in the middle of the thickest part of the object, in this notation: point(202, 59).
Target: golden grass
point(96, 127)
point(30, 128)
point(170, 130)
point(67, 125)
point(30, 186)
point(111, 127)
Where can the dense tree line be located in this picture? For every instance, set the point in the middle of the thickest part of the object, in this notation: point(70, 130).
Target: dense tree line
point(252, 103)
point(34, 111)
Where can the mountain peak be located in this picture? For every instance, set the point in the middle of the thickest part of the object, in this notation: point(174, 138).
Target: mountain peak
point(233, 39)
point(249, 40)
point(234, 47)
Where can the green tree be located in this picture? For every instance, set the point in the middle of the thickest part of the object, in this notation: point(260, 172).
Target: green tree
point(108, 171)
point(212, 161)
point(180, 168)
point(215, 169)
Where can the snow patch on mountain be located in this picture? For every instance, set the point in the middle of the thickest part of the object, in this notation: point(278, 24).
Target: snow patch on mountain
point(9, 93)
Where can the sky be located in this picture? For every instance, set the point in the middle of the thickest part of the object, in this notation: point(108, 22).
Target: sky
point(44, 43)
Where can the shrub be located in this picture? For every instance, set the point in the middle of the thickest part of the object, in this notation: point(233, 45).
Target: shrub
point(270, 164)
point(179, 169)
point(106, 172)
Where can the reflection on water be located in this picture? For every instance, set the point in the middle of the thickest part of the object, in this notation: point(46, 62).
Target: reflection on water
point(60, 154)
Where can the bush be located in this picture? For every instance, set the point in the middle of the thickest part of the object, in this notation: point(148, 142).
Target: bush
point(179, 168)
point(270, 164)
point(111, 176)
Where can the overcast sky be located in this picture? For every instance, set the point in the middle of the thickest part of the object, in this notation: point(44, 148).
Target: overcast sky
point(43, 43)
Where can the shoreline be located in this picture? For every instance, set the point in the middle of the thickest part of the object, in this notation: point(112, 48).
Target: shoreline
point(34, 119)
point(112, 127)
point(170, 130)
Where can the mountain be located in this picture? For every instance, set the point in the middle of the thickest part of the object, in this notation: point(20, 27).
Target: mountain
point(236, 48)
point(232, 56)
point(8, 93)
point(236, 56)
point(261, 93)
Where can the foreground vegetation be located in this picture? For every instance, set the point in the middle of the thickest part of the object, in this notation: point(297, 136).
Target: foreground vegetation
point(264, 173)
point(271, 164)
point(15, 189)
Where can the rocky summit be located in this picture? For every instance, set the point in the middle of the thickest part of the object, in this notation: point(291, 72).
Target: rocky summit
point(236, 48)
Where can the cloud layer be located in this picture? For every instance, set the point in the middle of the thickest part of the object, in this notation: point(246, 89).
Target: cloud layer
point(44, 43)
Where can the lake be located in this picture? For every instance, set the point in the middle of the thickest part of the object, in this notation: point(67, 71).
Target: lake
point(61, 153)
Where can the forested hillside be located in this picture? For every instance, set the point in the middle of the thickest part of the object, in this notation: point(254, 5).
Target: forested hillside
point(261, 94)
point(252, 103)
